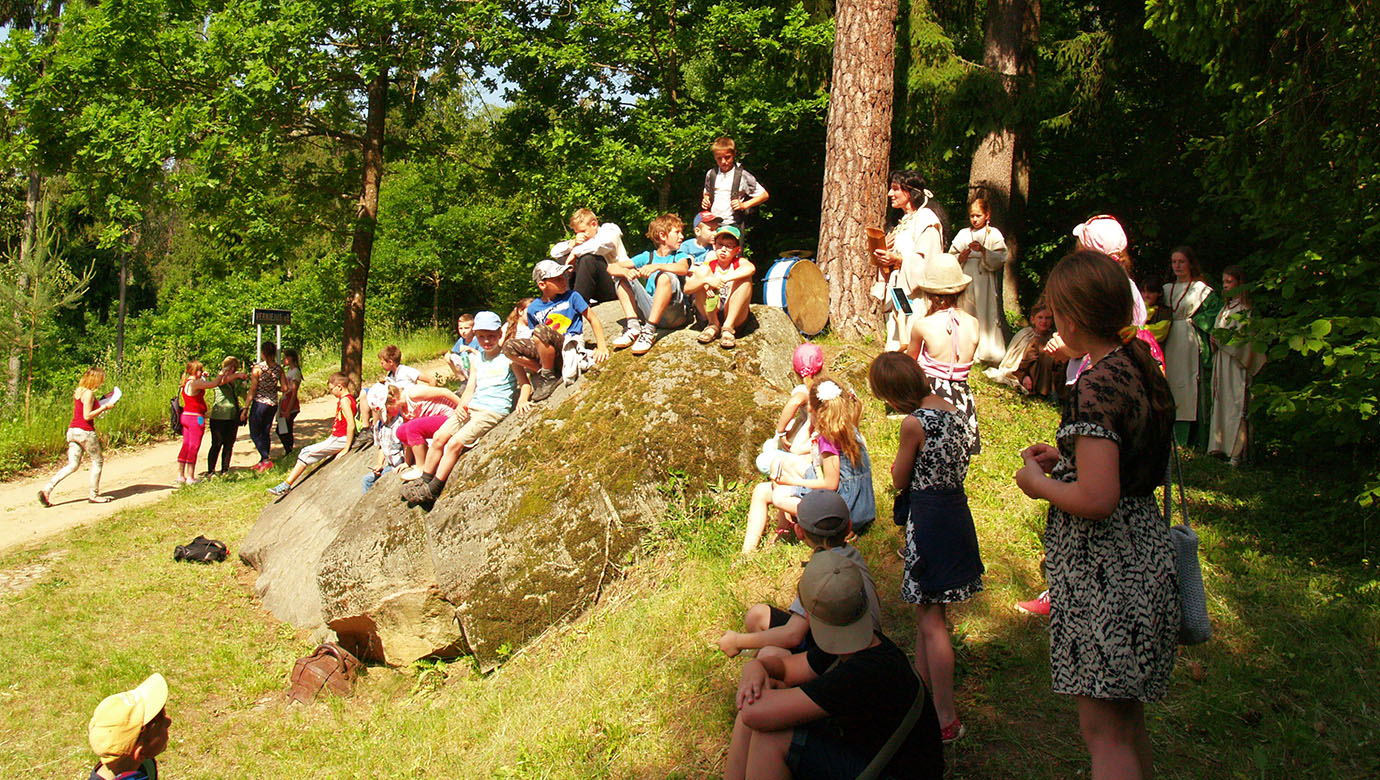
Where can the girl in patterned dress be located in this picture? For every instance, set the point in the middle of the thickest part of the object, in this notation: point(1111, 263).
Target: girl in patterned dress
point(943, 565)
point(1113, 591)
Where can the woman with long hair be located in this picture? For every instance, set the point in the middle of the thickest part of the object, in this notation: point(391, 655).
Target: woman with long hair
point(81, 436)
point(192, 388)
point(1188, 350)
point(916, 241)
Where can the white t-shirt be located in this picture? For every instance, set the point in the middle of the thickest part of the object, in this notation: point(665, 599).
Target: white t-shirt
point(403, 376)
point(721, 201)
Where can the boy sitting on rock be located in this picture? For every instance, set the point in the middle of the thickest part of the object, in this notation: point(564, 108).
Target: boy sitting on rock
point(129, 730)
point(496, 388)
point(557, 320)
point(824, 522)
point(649, 286)
point(730, 275)
point(342, 434)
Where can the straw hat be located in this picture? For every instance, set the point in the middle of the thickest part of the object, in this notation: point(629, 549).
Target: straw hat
point(943, 276)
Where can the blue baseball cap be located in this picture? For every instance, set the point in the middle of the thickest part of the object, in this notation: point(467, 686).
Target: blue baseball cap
point(487, 320)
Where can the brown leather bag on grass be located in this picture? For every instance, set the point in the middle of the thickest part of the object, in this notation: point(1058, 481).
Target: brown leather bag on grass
point(330, 666)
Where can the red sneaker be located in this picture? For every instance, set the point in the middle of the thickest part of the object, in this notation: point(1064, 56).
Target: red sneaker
point(952, 732)
point(1036, 606)
point(263, 465)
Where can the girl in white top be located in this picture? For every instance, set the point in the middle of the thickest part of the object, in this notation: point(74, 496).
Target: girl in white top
point(918, 239)
point(1186, 350)
point(981, 249)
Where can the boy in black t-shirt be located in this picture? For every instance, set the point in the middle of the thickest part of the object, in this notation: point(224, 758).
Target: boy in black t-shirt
point(840, 702)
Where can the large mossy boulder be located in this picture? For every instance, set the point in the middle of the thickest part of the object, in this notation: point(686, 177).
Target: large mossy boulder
point(536, 518)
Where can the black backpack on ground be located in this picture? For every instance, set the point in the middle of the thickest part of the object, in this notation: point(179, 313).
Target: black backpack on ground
point(201, 550)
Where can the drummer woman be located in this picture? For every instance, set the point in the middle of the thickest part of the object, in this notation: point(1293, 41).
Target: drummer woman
point(916, 240)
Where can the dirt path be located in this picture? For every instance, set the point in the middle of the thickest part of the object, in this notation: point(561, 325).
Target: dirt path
point(134, 477)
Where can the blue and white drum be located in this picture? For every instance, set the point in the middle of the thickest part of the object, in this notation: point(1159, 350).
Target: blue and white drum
point(797, 286)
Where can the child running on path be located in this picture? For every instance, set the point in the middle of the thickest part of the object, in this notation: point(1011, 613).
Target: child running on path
point(342, 434)
point(1113, 593)
point(942, 563)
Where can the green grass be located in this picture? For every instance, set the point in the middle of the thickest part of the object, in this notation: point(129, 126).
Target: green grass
point(1287, 687)
point(148, 384)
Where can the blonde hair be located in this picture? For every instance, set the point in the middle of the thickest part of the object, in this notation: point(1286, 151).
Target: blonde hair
point(724, 144)
point(230, 363)
point(582, 217)
point(837, 419)
point(93, 378)
point(193, 370)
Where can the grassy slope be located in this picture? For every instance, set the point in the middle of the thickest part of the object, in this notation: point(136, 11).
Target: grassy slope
point(1287, 687)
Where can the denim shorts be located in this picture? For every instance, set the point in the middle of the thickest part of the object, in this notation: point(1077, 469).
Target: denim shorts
point(677, 314)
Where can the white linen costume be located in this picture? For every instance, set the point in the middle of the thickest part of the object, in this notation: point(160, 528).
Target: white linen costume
point(981, 299)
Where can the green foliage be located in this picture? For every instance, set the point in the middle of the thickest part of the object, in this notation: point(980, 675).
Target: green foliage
point(1299, 86)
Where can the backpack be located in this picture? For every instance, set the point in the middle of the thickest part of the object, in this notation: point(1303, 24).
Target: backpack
point(175, 413)
point(201, 550)
point(740, 218)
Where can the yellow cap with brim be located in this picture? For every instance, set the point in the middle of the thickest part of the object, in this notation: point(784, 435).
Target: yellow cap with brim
point(118, 719)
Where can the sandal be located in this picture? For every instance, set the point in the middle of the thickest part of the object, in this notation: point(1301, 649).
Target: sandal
point(708, 335)
point(99, 500)
point(43, 498)
point(727, 341)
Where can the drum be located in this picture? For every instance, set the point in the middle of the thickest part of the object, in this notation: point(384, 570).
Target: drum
point(797, 286)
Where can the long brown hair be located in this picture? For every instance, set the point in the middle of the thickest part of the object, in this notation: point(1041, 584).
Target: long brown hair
point(1091, 290)
point(898, 381)
point(1195, 270)
point(837, 418)
point(1239, 274)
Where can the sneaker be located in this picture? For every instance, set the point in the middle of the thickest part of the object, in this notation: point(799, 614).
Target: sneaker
point(410, 474)
point(280, 489)
point(952, 732)
point(1036, 606)
point(544, 384)
point(645, 339)
point(262, 466)
point(630, 334)
point(726, 341)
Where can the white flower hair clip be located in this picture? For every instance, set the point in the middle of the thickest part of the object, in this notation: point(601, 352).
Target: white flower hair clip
point(828, 390)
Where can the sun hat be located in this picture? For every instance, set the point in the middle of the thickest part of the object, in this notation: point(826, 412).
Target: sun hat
point(1103, 234)
point(377, 397)
point(807, 359)
point(487, 320)
point(115, 726)
point(731, 231)
point(831, 591)
point(822, 513)
point(548, 269)
point(943, 276)
point(706, 216)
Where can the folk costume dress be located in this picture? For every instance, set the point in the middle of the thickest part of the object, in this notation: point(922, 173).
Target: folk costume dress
point(1113, 591)
point(1187, 350)
point(981, 299)
point(918, 238)
point(1025, 356)
point(943, 564)
point(1232, 369)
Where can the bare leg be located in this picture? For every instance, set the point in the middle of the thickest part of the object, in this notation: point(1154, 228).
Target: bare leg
point(757, 516)
point(758, 618)
point(933, 632)
point(548, 356)
point(1113, 731)
point(661, 298)
point(738, 299)
point(766, 758)
point(625, 298)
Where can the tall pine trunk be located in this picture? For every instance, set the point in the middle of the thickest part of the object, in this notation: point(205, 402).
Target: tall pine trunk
point(857, 157)
point(366, 220)
point(1000, 169)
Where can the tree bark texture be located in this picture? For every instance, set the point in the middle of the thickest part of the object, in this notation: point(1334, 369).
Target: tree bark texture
point(366, 220)
point(1000, 169)
point(26, 248)
point(857, 157)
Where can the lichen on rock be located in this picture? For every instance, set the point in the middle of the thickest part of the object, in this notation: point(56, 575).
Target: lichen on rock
point(537, 517)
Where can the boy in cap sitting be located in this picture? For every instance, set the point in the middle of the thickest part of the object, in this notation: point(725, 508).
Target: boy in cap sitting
point(557, 320)
point(129, 730)
point(729, 275)
point(830, 711)
point(825, 525)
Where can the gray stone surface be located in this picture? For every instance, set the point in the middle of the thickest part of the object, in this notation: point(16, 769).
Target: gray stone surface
point(536, 519)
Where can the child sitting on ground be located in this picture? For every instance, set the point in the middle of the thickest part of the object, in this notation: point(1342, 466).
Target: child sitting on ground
point(489, 396)
point(1026, 366)
point(129, 730)
point(649, 286)
point(701, 242)
point(824, 525)
point(838, 462)
point(516, 327)
point(592, 250)
point(395, 372)
point(558, 322)
point(730, 274)
point(342, 434)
